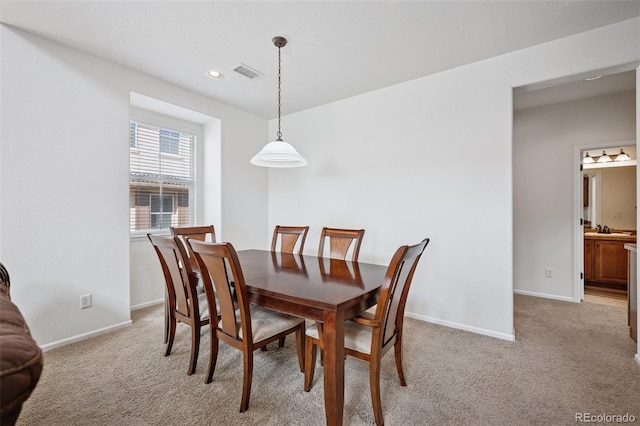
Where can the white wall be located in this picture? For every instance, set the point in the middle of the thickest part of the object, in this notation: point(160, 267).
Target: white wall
point(432, 158)
point(543, 159)
point(64, 195)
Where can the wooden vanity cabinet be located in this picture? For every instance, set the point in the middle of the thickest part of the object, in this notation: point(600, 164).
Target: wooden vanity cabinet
point(605, 262)
point(589, 264)
point(610, 262)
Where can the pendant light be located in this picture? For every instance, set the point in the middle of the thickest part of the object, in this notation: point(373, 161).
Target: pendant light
point(278, 153)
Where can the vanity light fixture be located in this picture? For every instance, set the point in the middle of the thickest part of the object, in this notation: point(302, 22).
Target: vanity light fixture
point(278, 153)
point(588, 159)
point(623, 156)
point(215, 75)
point(604, 158)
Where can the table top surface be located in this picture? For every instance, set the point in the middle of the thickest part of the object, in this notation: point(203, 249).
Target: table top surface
point(309, 280)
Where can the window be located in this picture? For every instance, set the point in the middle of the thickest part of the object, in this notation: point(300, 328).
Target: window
point(169, 142)
point(162, 178)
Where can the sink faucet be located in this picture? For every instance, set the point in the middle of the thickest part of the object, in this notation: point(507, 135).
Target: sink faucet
point(603, 230)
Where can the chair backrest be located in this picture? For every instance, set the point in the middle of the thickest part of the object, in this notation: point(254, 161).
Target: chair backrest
point(339, 242)
point(289, 236)
point(220, 267)
point(195, 232)
point(180, 281)
point(394, 290)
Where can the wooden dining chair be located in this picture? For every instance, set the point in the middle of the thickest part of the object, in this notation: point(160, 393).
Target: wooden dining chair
point(289, 237)
point(247, 328)
point(184, 304)
point(202, 233)
point(340, 241)
point(370, 337)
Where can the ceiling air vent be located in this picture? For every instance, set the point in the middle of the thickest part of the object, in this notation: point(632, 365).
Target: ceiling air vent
point(247, 71)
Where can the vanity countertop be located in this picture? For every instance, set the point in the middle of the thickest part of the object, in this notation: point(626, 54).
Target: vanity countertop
point(617, 236)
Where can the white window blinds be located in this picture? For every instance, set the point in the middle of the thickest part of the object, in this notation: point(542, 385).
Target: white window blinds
point(162, 178)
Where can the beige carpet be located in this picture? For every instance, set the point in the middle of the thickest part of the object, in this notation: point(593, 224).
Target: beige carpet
point(568, 358)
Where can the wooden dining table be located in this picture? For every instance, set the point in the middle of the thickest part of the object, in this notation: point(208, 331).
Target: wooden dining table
point(321, 289)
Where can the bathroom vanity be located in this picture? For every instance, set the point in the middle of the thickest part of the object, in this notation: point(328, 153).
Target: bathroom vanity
point(606, 259)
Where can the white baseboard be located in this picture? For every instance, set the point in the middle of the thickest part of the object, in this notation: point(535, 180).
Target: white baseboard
point(504, 336)
point(84, 336)
point(147, 304)
point(545, 295)
point(637, 357)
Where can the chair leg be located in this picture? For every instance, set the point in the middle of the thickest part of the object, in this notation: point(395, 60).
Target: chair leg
point(213, 357)
point(300, 344)
point(166, 321)
point(281, 343)
point(374, 384)
point(246, 384)
point(172, 334)
point(398, 356)
point(195, 347)
point(309, 363)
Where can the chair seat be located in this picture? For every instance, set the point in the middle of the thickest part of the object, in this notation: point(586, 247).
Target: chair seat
point(357, 337)
point(266, 322)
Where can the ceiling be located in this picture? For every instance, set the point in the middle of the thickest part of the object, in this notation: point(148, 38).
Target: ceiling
point(336, 49)
point(575, 87)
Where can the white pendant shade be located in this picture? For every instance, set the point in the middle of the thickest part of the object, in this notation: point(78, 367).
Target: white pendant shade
point(278, 154)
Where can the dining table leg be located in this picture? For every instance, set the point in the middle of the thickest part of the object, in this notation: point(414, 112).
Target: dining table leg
point(333, 337)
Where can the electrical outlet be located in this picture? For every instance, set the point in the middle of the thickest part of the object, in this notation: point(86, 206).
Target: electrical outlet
point(85, 301)
point(548, 272)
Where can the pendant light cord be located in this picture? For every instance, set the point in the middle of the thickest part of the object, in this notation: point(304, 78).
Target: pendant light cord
point(279, 134)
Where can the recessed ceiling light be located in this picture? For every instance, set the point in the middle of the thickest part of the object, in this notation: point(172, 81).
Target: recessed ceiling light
point(216, 75)
point(593, 78)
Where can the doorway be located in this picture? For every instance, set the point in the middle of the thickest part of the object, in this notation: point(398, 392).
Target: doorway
point(608, 212)
point(549, 137)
